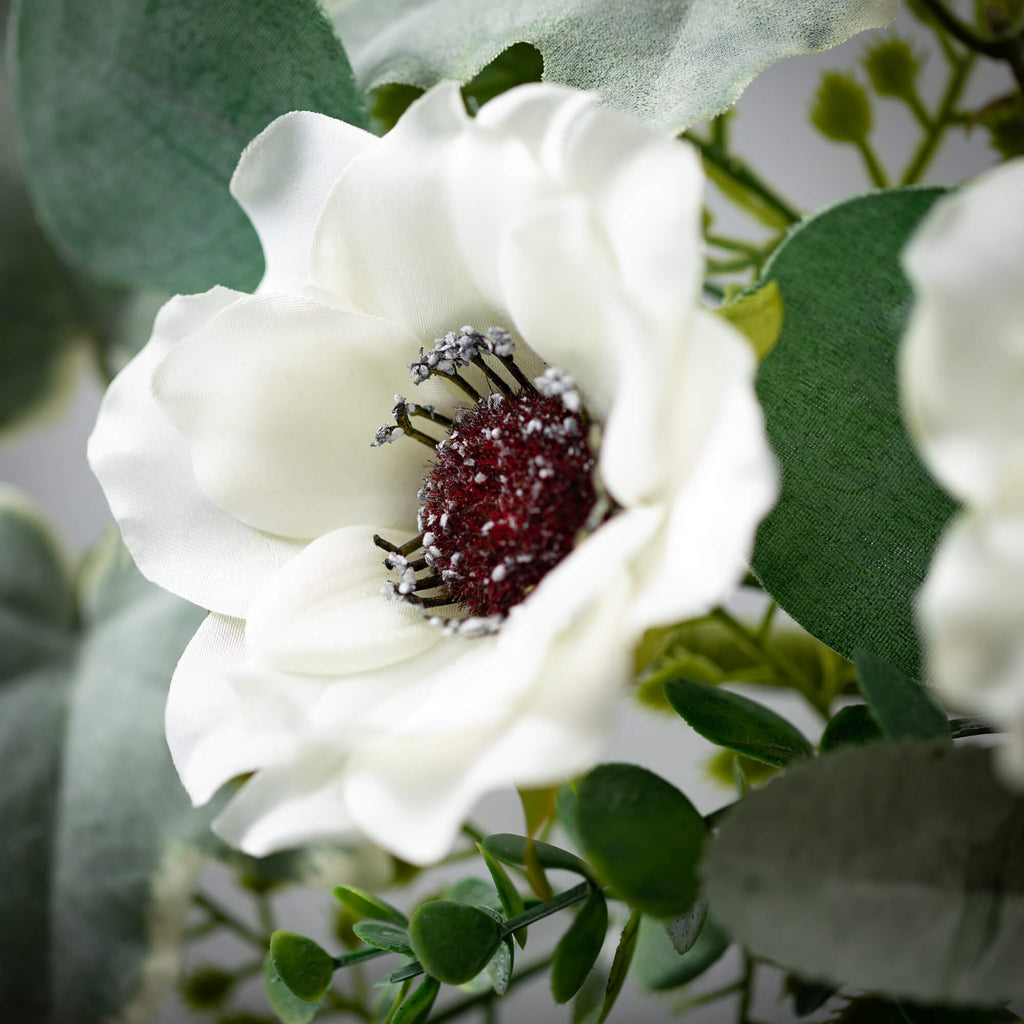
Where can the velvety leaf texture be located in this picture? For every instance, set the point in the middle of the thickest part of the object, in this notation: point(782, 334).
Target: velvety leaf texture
point(851, 539)
point(670, 62)
point(132, 118)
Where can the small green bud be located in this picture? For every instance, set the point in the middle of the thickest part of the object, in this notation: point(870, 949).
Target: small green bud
point(1004, 122)
point(892, 68)
point(207, 988)
point(841, 109)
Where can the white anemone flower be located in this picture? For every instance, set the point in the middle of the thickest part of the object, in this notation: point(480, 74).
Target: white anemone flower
point(407, 616)
point(962, 368)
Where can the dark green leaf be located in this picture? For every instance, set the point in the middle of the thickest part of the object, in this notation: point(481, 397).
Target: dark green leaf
point(453, 941)
point(132, 118)
point(620, 965)
point(873, 1010)
point(416, 1009)
point(289, 1008)
point(898, 704)
point(643, 837)
point(736, 722)
point(365, 904)
point(302, 965)
point(852, 726)
point(384, 936)
point(896, 867)
point(511, 900)
point(511, 849)
point(808, 996)
point(476, 892)
point(660, 968)
point(851, 538)
point(578, 949)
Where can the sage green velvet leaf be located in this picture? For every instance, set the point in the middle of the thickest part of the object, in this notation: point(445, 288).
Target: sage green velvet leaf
point(511, 849)
point(416, 1008)
point(98, 831)
point(899, 705)
point(454, 941)
point(384, 936)
point(737, 723)
point(300, 963)
point(132, 118)
point(852, 726)
point(578, 949)
point(670, 63)
point(290, 1009)
point(851, 538)
point(643, 837)
point(365, 904)
point(659, 967)
point(897, 868)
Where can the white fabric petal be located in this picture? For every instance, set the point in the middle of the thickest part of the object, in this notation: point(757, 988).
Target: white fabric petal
point(282, 181)
point(725, 481)
point(178, 537)
point(325, 612)
point(971, 610)
point(962, 362)
point(279, 398)
point(226, 717)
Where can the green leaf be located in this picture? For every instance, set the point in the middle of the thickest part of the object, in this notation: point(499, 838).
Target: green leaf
point(511, 849)
point(896, 868)
point(738, 723)
point(416, 1009)
point(384, 936)
point(301, 964)
point(660, 61)
point(659, 967)
point(511, 901)
point(132, 119)
point(620, 965)
point(848, 727)
point(578, 949)
point(684, 930)
point(643, 837)
point(289, 1008)
point(453, 941)
point(758, 315)
point(873, 1010)
point(365, 904)
point(899, 705)
point(499, 969)
point(851, 538)
point(475, 892)
point(98, 832)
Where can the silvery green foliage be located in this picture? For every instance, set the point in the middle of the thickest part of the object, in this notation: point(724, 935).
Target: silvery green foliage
point(670, 62)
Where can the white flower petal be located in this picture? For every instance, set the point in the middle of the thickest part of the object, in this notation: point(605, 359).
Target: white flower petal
point(962, 362)
point(282, 180)
point(279, 398)
point(971, 610)
point(325, 612)
point(178, 537)
point(226, 717)
point(725, 481)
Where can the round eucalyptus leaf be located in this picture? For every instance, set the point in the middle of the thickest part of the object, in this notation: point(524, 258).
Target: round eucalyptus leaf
point(851, 538)
point(454, 941)
point(301, 964)
point(897, 868)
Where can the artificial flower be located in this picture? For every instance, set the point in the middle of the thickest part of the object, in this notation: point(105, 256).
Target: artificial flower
point(962, 369)
point(407, 613)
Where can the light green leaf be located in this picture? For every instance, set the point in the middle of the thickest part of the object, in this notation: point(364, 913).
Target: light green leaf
point(132, 118)
point(899, 705)
point(737, 723)
point(290, 1009)
point(365, 904)
point(643, 837)
point(671, 64)
point(98, 831)
point(454, 941)
point(416, 1009)
point(851, 538)
point(578, 949)
point(897, 868)
point(384, 936)
point(304, 968)
point(659, 967)
point(758, 315)
point(512, 850)
point(511, 901)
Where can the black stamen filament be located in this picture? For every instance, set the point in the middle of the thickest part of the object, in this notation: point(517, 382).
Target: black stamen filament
point(401, 413)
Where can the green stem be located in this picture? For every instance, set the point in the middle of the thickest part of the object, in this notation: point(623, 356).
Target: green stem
point(923, 156)
point(744, 176)
point(746, 990)
point(224, 917)
point(960, 727)
point(265, 912)
point(999, 48)
point(358, 957)
point(708, 997)
point(731, 266)
point(488, 998)
point(875, 170)
point(714, 290)
point(766, 623)
point(542, 910)
point(734, 245)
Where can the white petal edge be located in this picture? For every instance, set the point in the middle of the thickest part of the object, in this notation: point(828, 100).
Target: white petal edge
point(325, 612)
point(178, 537)
point(282, 181)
